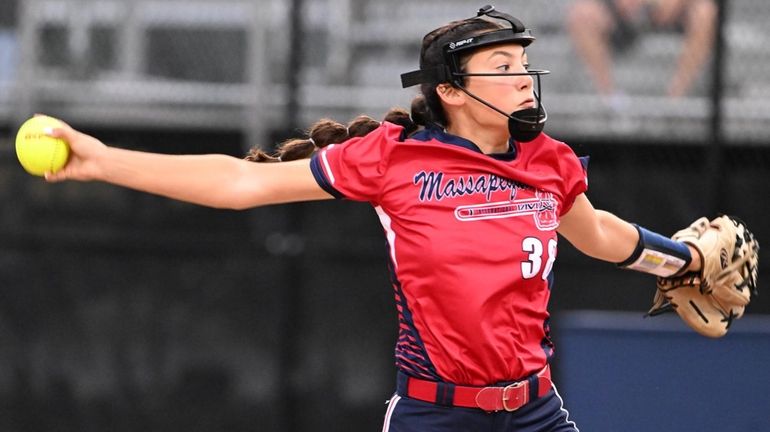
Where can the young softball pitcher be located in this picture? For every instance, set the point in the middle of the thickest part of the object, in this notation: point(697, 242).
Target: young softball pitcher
point(471, 195)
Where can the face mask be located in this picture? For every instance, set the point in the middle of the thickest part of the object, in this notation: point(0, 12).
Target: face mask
point(523, 125)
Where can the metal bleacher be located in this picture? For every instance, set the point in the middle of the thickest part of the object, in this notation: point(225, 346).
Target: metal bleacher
point(384, 41)
point(126, 92)
point(381, 40)
point(354, 53)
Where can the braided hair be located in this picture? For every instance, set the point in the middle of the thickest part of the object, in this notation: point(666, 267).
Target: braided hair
point(327, 131)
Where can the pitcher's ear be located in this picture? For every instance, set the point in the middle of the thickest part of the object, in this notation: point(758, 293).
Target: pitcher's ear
point(450, 95)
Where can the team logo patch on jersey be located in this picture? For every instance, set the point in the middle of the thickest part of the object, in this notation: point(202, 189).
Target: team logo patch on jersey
point(434, 186)
point(542, 208)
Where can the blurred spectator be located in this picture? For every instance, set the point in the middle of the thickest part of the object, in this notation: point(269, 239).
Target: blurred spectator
point(8, 45)
point(601, 29)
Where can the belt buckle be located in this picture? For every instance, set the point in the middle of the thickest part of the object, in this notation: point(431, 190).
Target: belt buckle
point(519, 398)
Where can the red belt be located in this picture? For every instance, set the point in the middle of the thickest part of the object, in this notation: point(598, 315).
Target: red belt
point(508, 398)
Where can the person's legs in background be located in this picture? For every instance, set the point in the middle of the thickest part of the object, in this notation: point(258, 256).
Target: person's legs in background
point(591, 23)
point(699, 22)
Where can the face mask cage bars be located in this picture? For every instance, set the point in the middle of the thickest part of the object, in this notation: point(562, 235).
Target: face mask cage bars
point(542, 115)
point(450, 71)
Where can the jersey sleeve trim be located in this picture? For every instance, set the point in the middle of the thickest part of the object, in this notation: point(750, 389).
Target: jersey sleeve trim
point(320, 177)
point(584, 160)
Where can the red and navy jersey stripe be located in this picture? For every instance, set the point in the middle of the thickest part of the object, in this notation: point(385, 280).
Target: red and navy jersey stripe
point(411, 356)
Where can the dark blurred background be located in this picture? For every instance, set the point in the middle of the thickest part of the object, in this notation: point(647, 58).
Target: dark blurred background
point(121, 311)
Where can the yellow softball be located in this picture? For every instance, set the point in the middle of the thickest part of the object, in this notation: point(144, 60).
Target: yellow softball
point(38, 152)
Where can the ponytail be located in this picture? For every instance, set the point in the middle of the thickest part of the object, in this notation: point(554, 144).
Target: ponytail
point(321, 134)
point(420, 112)
point(327, 131)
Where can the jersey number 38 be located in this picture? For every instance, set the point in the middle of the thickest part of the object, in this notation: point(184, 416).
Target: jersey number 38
point(534, 247)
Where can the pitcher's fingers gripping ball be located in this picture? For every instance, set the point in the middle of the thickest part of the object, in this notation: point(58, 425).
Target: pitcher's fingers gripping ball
point(38, 152)
point(709, 300)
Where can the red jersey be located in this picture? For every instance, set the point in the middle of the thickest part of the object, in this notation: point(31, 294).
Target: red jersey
point(472, 240)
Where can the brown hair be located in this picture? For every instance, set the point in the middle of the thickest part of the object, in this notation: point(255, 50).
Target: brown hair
point(327, 131)
point(425, 108)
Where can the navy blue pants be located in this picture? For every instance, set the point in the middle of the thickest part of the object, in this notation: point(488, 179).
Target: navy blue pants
point(545, 414)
